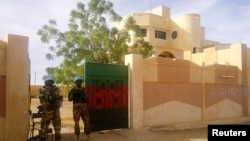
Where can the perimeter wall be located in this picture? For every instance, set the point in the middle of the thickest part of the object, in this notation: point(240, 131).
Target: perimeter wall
point(173, 93)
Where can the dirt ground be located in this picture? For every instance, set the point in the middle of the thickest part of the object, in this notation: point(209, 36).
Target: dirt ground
point(66, 114)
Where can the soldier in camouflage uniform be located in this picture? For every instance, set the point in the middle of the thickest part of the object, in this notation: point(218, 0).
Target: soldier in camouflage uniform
point(51, 100)
point(79, 97)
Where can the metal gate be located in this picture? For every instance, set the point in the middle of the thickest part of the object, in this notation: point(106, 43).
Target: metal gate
point(107, 87)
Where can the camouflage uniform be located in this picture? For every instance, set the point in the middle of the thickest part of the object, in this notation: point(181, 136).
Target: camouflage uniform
point(51, 100)
point(80, 100)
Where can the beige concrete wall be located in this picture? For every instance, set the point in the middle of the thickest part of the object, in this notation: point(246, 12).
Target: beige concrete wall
point(170, 94)
point(171, 102)
point(177, 92)
point(34, 90)
point(224, 101)
point(160, 11)
point(223, 110)
point(15, 77)
point(190, 27)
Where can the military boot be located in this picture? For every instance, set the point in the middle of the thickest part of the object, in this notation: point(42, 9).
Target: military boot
point(42, 139)
point(78, 137)
point(58, 138)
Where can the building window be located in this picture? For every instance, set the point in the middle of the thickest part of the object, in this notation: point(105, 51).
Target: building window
point(160, 34)
point(195, 50)
point(141, 33)
point(174, 34)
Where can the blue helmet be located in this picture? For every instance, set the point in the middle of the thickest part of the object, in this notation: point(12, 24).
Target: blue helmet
point(49, 77)
point(77, 78)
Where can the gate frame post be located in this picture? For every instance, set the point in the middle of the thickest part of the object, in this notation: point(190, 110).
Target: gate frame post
point(135, 89)
point(17, 88)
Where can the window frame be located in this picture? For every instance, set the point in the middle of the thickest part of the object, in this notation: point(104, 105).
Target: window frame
point(160, 34)
point(142, 32)
point(174, 34)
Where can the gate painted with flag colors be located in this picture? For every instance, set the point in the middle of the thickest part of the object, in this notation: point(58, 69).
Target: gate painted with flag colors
point(107, 87)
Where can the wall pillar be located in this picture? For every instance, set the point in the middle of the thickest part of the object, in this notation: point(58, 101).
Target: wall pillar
point(135, 64)
point(248, 79)
point(17, 88)
point(2, 89)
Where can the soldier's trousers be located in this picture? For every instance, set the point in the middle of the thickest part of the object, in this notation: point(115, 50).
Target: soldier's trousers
point(54, 116)
point(80, 111)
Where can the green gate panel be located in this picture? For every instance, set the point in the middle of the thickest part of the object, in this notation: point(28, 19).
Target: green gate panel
point(102, 71)
point(107, 87)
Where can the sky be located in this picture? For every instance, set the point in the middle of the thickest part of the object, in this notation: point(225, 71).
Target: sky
point(225, 21)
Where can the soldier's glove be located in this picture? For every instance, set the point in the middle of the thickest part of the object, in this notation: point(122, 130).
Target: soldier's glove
point(40, 108)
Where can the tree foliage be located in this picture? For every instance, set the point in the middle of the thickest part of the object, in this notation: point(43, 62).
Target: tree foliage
point(89, 38)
